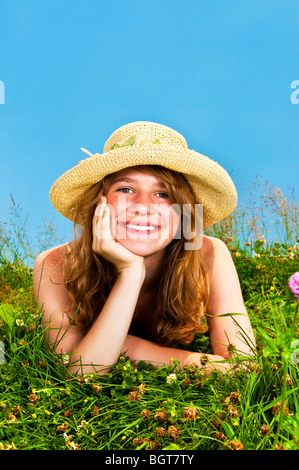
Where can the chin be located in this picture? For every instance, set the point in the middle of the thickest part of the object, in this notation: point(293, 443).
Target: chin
point(141, 249)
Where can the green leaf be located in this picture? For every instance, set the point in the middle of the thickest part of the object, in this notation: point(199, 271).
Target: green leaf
point(171, 447)
point(7, 314)
point(127, 143)
point(229, 315)
point(269, 352)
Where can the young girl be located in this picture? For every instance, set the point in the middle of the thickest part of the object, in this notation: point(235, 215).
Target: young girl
point(131, 281)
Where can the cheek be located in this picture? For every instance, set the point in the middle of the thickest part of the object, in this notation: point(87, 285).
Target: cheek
point(117, 205)
point(117, 209)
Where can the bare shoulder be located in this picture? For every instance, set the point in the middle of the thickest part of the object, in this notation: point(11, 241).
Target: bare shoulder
point(212, 248)
point(53, 298)
point(209, 243)
point(49, 265)
point(50, 261)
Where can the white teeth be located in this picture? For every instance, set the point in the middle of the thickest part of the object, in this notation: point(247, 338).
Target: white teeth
point(141, 227)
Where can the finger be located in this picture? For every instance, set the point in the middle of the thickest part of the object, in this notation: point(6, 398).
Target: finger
point(98, 213)
point(102, 228)
point(105, 223)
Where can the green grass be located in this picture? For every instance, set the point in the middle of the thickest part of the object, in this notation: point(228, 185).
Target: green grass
point(138, 406)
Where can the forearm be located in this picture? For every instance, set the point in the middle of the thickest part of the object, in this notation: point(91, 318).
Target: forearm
point(102, 345)
point(138, 349)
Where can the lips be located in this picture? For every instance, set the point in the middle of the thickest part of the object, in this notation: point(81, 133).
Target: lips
point(140, 227)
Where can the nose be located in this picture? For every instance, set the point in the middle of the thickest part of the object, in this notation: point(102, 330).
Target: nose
point(141, 205)
point(140, 209)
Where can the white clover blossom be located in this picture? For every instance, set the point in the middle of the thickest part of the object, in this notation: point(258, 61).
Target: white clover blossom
point(170, 378)
point(65, 358)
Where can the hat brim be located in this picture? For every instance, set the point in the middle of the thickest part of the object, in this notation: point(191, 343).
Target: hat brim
point(212, 185)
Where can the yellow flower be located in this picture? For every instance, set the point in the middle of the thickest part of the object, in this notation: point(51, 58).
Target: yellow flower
point(47, 412)
point(33, 415)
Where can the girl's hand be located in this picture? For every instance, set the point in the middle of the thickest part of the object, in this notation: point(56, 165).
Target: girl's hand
point(106, 246)
point(209, 362)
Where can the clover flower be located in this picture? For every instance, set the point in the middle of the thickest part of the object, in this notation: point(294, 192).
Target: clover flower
point(170, 378)
point(173, 432)
point(190, 413)
point(236, 445)
point(161, 416)
point(294, 285)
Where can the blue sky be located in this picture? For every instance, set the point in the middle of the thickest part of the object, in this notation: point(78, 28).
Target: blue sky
point(218, 72)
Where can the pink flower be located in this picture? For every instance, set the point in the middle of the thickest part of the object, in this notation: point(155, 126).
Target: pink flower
point(294, 285)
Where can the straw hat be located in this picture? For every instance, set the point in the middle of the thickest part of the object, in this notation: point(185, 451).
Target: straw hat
point(147, 143)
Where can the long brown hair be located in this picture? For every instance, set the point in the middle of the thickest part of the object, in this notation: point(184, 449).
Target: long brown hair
point(183, 289)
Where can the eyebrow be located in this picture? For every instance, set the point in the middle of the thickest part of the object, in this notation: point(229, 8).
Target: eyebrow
point(125, 179)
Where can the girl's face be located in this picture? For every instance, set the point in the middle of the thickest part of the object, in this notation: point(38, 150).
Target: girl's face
point(142, 216)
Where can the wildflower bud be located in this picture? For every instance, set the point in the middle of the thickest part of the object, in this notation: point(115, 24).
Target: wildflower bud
point(161, 416)
point(33, 398)
point(62, 428)
point(216, 423)
point(133, 396)
point(233, 413)
point(97, 388)
point(236, 445)
point(95, 410)
point(141, 389)
point(160, 432)
point(265, 430)
point(153, 445)
point(137, 441)
point(190, 412)
point(288, 380)
point(220, 436)
point(173, 432)
point(276, 409)
point(204, 360)
point(145, 414)
point(186, 383)
point(234, 397)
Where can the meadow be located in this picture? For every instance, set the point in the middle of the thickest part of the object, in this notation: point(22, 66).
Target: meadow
point(137, 406)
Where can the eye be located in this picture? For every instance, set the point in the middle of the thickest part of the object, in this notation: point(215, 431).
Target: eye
point(164, 195)
point(124, 189)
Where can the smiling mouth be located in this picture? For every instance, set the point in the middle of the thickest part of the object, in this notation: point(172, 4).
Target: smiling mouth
point(140, 228)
